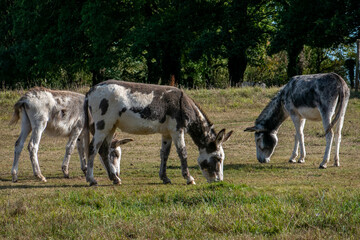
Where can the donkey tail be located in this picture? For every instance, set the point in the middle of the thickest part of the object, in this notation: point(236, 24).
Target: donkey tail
point(86, 129)
point(343, 92)
point(17, 107)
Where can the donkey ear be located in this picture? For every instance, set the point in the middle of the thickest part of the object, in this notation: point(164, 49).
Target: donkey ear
point(220, 137)
point(227, 136)
point(123, 141)
point(251, 129)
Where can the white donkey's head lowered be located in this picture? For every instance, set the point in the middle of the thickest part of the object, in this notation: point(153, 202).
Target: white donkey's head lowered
point(211, 158)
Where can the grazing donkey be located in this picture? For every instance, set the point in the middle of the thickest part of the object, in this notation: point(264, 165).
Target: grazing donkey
point(59, 113)
point(146, 109)
point(314, 97)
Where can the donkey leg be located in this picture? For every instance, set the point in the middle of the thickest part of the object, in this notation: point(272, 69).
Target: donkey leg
point(19, 144)
point(102, 139)
point(164, 155)
point(94, 146)
point(179, 142)
point(339, 126)
point(104, 154)
point(329, 139)
point(295, 150)
point(33, 148)
point(299, 124)
point(302, 141)
point(81, 151)
point(69, 149)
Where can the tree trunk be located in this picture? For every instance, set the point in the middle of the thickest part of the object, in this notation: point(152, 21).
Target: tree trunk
point(294, 65)
point(350, 65)
point(153, 67)
point(236, 67)
point(170, 66)
point(319, 59)
point(97, 76)
point(153, 73)
point(357, 66)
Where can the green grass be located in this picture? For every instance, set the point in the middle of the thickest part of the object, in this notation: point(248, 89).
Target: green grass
point(278, 200)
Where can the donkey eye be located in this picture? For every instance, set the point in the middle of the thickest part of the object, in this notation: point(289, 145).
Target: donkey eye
point(114, 154)
point(258, 143)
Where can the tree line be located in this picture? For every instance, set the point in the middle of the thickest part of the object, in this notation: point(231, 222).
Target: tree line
point(193, 43)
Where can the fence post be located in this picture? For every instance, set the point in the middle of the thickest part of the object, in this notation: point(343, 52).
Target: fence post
point(357, 66)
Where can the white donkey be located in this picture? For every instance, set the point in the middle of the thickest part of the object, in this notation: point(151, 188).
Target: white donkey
point(314, 97)
point(60, 113)
point(146, 109)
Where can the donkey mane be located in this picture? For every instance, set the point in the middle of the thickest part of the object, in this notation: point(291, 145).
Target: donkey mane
point(273, 114)
point(202, 112)
point(199, 127)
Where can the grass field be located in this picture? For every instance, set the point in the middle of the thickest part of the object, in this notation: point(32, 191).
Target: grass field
point(275, 200)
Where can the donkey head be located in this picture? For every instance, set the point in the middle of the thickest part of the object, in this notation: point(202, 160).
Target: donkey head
point(115, 153)
point(211, 158)
point(266, 142)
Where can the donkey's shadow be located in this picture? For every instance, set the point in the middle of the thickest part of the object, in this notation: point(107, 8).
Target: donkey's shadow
point(45, 186)
point(257, 166)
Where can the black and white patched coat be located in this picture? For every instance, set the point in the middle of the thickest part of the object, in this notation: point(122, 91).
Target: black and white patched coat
point(147, 109)
point(318, 97)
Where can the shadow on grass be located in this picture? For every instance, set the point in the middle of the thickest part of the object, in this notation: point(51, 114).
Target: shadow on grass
point(37, 184)
point(257, 166)
point(40, 185)
point(242, 166)
point(179, 167)
point(27, 186)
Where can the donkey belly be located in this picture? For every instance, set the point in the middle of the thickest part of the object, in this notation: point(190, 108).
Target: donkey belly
point(131, 123)
point(312, 114)
point(61, 127)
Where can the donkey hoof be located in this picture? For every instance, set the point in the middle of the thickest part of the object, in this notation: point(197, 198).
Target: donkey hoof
point(292, 161)
point(117, 181)
point(191, 182)
point(322, 167)
point(301, 161)
point(93, 183)
point(167, 181)
point(14, 178)
point(336, 164)
point(41, 177)
point(65, 171)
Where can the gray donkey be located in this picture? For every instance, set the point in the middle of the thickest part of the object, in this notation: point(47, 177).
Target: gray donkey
point(314, 97)
point(58, 113)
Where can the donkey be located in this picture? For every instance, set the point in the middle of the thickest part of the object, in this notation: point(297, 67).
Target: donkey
point(59, 113)
point(147, 109)
point(314, 97)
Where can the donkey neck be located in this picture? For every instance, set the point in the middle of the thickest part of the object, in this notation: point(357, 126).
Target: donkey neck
point(273, 115)
point(201, 129)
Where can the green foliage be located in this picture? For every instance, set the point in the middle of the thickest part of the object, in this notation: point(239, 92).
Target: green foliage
point(319, 23)
point(208, 43)
point(236, 31)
